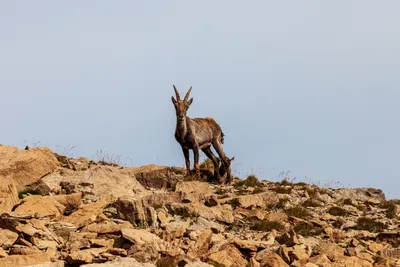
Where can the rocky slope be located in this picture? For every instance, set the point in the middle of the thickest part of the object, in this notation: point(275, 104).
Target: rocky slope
point(57, 211)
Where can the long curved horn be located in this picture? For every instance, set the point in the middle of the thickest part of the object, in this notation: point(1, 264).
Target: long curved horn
point(177, 94)
point(187, 94)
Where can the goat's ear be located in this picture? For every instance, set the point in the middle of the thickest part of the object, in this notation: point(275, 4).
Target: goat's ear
point(231, 158)
point(189, 102)
point(173, 100)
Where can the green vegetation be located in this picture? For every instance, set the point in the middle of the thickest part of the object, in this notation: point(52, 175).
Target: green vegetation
point(337, 211)
point(282, 189)
point(370, 224)
point(390, 207)
point(28, 192)
point(207, 163)
point(280, 205)
point(298, 212)
point(307, 229)
point(311, 203)
point(252, 181)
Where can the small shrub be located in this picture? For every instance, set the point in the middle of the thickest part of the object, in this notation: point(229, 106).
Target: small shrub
point(298, 212)
point(285, 181)
point(28, 192)
point(338, 223)
point(267, 226)
point(337, 211)
point(347, 201)
point(282, 190)
point(307, 229)
point(252, 181)
point(258, 190)
point(157, 206)
point(191, 215)
point(220, 191)
point(166, 262)
point(300, 184)
point(370, 224)
point(280, 205)
point(241, 192)
point(311, 203)
point(390, 207)
point(239, 184)
point(207, 163)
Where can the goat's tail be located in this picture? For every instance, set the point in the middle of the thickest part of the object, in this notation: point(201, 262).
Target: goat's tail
point(222, 137)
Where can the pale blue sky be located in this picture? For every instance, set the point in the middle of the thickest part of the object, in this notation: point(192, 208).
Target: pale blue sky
point(307, 86)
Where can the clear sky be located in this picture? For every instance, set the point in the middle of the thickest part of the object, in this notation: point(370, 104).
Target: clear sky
point(310, 87)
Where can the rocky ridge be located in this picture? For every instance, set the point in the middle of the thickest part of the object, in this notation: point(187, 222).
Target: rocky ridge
point(58, 211)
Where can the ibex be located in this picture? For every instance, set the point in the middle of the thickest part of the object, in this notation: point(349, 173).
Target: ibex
point(199, 133)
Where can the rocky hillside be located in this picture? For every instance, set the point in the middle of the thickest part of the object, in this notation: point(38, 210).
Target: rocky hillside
point(57, 211)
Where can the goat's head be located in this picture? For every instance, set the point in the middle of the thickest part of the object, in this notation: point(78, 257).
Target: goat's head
point(181, 106)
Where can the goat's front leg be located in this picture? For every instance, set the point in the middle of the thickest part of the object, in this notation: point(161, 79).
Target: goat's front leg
point(187, 160)
point(196, 159)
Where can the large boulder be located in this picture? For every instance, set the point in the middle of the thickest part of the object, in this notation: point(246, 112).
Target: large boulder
point(96, 183)
point(25, 167)
point(8, 194)
point(120, 262)
point(40, 206)
point(25, 260)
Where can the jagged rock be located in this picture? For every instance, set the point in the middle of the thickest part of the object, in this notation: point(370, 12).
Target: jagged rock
point(331, 250)
point(193, 191)
point(136, 211)
point(289, 239)
point(40, 207)
point(228, 256)
point(158, 177)
point(78, 241)
point(8, 194)
point(25, 167)
point(61, 229)
point(201, 246)
point(261, 200)
point(70, 201)
point(106, 228)
point(120, 262)
point(273, 260)
point(98, 183)
point(7, 238)
point(39, 234)
point(361, 194)
point(24, 260)
point(85, 214)
point(203, 224)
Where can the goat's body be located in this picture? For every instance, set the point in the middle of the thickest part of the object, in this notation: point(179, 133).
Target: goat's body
point(199, 133)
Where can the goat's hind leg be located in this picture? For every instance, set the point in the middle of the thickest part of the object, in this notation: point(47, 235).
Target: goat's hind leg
point(225, 163)
point(214, 159)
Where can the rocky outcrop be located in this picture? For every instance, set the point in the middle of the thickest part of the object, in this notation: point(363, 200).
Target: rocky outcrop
point(76, 212)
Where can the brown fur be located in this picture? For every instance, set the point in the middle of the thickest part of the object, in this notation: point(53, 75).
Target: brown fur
point(199, 133)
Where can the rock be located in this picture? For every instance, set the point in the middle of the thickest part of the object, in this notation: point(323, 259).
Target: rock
point(158, 177)
point(79, 241)
point(106, 228)
point(331, 250)
point(228, 256)
point(25, 167)
point(198, 264)
point(24, 260)
point(136, 211)
point(7, 238)
point(361, 194)
point(85, 214)
point(201, 246)
point(321, 260)
point(48, 264)
point(40, 207)
point(222, 213)
point(193, 191)
point(261, 200)
point(39, 234)
point(203, 224)
point(289, 239)
point(71, 201)
point(61, 229)
point(8, 194)
point(80, 257)
point(120, 262)
point(98, 183)
point(273, 260)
